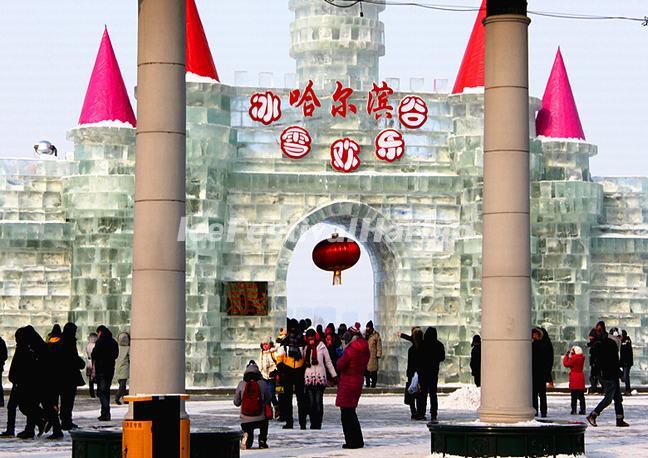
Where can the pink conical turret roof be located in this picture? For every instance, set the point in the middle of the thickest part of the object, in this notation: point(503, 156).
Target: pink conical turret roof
point(106, 98)
point(558, 117)
point(199, 57)
point(471, 71)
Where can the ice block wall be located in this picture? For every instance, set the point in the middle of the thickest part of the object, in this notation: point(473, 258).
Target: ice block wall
point(620, 265)
point(34, 246)
point(417, 280)
point(210, 152)
point(99, 205)
point(566, 204)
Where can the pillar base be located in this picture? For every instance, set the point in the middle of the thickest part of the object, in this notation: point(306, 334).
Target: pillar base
point(503, 415)
point(540, 438)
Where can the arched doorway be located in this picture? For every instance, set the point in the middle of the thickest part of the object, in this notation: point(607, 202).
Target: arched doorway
point(381, 240)
point(310, 291)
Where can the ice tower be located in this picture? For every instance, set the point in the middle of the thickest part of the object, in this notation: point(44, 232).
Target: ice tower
point(98, 199)
point(330, 43)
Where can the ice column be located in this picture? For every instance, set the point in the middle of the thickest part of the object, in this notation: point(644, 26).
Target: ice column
point(158, 308)
point(506, 282)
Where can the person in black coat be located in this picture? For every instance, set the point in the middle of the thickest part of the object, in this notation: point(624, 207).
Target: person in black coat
point(475, 359)
point(45, 369)
point(607, 353)
point(626, 360)
point(3, 359)
point(541, 354)
point(550, 356)
point(104, 355)
point(19, 376)
point(415, 359)
point(594, 369)
point(33, 366)
point(70, 372)
point(434, 354)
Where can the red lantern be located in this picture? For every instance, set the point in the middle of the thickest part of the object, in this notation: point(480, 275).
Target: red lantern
point(335, 255)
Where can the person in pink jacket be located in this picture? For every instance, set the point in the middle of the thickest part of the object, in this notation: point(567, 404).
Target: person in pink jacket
point(574, 359)
point(351, 368)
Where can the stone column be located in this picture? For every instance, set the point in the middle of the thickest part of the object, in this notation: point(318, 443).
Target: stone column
point(506, 282)
point(158, 301)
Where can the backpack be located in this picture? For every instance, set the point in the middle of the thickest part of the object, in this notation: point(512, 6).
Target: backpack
point(252, 403)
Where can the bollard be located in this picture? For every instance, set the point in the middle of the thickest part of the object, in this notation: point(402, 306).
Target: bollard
point(158, 425)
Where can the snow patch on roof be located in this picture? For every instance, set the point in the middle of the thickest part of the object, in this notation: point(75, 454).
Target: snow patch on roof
point(544, 138)
point(193, 78)
point(108, 123)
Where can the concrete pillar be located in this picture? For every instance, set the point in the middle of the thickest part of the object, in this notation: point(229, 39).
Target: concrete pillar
point(506, 275)
point(158, 301)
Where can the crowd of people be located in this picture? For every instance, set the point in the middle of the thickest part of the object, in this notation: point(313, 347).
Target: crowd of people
point(303, 361)
point(49, 406)
point(610, 355)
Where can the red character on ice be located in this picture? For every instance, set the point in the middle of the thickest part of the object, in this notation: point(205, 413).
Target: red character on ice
point(389, 145)
point(295, 142)
point(412, 112)
point(378, 101)
point(307, 98)
point(344, 155)
point(341, 96)
point(265, 107)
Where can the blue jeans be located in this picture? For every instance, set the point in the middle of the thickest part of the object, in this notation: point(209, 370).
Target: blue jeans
point(612, 392)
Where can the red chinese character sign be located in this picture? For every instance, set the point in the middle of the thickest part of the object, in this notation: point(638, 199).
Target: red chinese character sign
point(306, 99)
point(340, 101)
point(378, 101)
point(265, 107)
point(295, 142)
point(389, 145)
point(344, 155)
point(412, 112)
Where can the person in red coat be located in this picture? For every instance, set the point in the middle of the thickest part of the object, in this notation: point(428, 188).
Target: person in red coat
point(574, 359)
point(351, 368)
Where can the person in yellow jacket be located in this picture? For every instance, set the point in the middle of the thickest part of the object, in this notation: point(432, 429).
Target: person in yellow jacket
point(290, 363)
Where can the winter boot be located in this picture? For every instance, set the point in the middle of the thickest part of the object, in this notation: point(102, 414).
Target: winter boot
point(263, 444)
point(591, 419)
point(8, 433)
point(622, 424)
point(25, 435)
point(244, 439)
point(56, 435)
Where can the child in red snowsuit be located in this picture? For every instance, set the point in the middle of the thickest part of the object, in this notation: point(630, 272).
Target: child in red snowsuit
point(574, 359)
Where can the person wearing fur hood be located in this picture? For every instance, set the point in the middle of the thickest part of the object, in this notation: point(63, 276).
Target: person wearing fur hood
point(319, 368)
point(268, 368)
point(574, 359)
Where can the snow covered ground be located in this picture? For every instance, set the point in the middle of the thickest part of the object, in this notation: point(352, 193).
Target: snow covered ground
point(387, 428)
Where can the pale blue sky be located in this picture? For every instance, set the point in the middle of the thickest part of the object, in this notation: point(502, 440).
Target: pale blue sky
point(48, 48)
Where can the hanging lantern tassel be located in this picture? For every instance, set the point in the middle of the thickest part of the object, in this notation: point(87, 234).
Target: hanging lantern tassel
point(335, 255)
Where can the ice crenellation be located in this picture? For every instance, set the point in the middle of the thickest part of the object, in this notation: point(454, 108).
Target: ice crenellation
point(67, 224)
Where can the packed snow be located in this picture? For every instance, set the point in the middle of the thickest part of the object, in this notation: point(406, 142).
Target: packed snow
point(111, 123)
point(193, 78)
point(385, 420)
